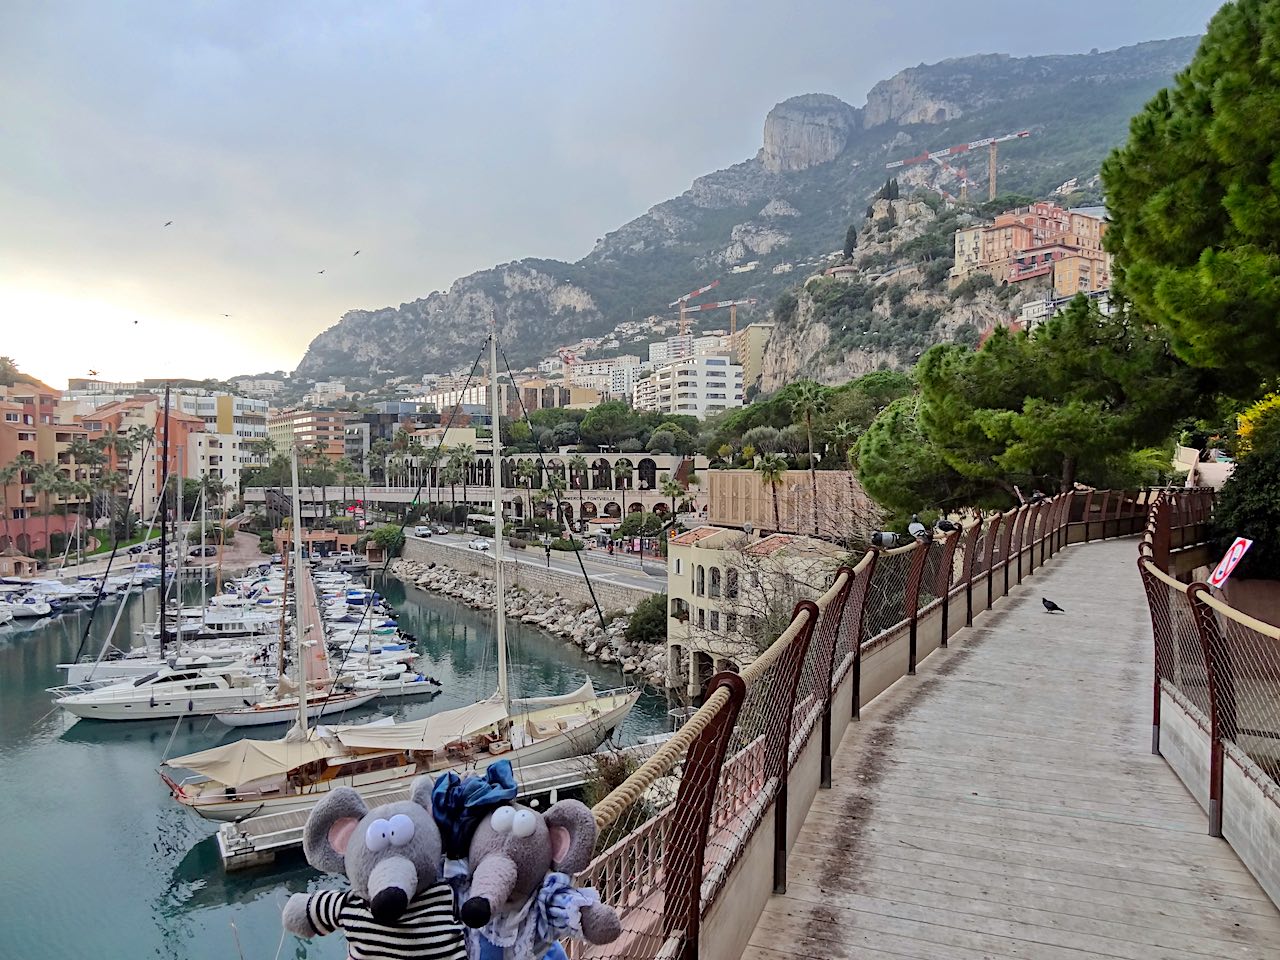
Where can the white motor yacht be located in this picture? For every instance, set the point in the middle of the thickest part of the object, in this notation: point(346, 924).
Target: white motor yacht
point(165, 694)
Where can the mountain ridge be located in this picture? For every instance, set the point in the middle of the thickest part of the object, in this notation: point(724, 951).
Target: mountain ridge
point(820, 161)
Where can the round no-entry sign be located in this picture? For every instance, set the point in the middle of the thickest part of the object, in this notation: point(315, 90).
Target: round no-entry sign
point(1228, 563)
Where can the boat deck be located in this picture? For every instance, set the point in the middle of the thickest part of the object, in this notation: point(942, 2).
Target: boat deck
point(256, 840)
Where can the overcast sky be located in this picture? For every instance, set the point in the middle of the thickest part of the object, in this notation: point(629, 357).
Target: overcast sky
point(436, 138)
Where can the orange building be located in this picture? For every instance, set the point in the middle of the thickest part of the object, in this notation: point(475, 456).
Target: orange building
point(325, 430)
point(29, 429)
point(1042, 240)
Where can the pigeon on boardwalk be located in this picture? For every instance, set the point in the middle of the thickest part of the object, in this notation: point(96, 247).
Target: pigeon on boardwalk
point(1050, 606)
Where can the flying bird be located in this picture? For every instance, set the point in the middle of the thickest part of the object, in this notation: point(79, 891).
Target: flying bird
point(356, 254)
point(168, 223)
point(319, 271)
point(226, 314)
point(1050, 606)
point(93, 373)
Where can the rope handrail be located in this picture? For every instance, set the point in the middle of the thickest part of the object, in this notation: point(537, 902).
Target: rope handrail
point(1268, 630)
point(608, 810)
point(760, 664)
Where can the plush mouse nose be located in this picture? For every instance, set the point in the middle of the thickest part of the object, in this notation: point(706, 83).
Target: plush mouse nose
point(387, 905)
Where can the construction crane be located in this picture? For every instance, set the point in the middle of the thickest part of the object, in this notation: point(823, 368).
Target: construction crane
point(733, 306)
point(988, 142)
point(683, 302)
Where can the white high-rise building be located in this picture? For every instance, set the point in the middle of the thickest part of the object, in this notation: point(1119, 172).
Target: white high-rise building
point(696, 386)
point(670, 349)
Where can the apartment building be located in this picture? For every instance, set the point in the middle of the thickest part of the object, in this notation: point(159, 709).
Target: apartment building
point(697, 386)
point(722, 587)
point(1039, 241)
point(748, 350)
point(314, 428)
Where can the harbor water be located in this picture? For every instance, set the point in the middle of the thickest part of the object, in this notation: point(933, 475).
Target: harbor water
point(100, 862)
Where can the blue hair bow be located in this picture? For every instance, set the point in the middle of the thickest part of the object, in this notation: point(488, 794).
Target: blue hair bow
point(459, 804)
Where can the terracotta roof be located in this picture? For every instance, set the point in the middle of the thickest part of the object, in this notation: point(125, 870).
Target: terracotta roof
point(767, 546)
point(690, 537)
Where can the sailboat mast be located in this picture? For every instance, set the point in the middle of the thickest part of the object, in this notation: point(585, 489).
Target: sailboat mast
point(164, 515)
point(499, 587)
point(204, 562)
point(300, 729)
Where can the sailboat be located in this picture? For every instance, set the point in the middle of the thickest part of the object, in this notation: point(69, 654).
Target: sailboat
point(251, 777)
point(302, 698)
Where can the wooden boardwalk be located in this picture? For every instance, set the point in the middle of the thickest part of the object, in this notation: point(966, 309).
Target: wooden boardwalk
point(1004, 802)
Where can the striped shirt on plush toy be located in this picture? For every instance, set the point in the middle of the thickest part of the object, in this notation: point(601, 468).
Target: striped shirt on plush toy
point(425, 931)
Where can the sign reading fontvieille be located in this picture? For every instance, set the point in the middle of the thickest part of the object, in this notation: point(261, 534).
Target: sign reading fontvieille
point(1228, 563)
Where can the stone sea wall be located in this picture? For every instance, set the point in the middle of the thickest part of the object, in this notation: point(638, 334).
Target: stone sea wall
point(572, 620)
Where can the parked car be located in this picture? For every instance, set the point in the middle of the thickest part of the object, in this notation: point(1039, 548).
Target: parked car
point(145, 545)
point(441, 529)
point(208, 550)
point(478, 544)
point(422, 531)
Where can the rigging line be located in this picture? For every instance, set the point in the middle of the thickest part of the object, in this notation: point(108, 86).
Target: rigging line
point(559, 503)
point(115, 546)
point(386, 564)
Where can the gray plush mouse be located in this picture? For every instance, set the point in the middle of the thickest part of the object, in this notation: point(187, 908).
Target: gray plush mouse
point(520, 896)
point(397, 906)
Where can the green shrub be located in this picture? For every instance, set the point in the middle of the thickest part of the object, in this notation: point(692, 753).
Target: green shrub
point(649, 622)
point(560, 543)
point(389, 538)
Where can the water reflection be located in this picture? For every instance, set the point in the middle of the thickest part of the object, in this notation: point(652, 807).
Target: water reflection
point(87, 825)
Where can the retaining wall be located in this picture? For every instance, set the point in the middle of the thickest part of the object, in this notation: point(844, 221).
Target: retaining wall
point(611, 596)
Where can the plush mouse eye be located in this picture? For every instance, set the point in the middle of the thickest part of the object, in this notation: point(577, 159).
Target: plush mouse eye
point(401, 829)
point(377, 836)
point(525, 822)
point(502, 818)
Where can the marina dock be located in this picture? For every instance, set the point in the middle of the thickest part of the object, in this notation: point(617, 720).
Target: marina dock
point(256, 841)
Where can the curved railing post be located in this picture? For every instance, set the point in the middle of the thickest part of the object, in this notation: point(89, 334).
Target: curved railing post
point(684, 861)
point(1222, 696)
point(970, 557)
point(860, 610)
point(777, 763)
point(993, 531)
point(943, 584)
point(834, 615)
point(1007, 529)
point(911, 600)
point(1158, 606)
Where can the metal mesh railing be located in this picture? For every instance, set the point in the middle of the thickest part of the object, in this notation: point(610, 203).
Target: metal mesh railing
point(1243, 657)
point(676, 828)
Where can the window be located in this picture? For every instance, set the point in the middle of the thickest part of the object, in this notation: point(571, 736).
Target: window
point(11, 417)
point(731, 583)
point(715, 621)
point(715, 582)
point(700, 582)
point(730, 622)
point(679, 566)
point(702, 619)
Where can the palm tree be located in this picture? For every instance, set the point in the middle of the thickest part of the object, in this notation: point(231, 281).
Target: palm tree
point(82, 490)
point(772, 468)
point(526, 470)
point(556, 486)
point(431, 458)
point(622, 468)
point(668, 486)
point(810, 400)
point(10, 473)
point(464, 455)
point(415, 451)
point(843, 433)
point(108, 483)
point(47, 483)
point(578, 468)
point(452, 475)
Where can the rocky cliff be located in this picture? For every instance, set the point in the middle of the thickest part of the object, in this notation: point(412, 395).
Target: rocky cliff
point(784, 209)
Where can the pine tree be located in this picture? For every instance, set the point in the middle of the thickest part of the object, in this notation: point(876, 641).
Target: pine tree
point(850, 241)
point(1196, 218)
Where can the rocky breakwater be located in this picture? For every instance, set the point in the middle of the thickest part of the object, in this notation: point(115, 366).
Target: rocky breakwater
point(575, 623)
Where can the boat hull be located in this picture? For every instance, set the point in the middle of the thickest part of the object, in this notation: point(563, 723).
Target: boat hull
point(162, 708)
point(267, 716)
point(579, 741)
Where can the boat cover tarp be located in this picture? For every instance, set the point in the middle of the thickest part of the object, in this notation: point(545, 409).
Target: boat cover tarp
point(429, 734)
point(244, 761)
point(584, 694)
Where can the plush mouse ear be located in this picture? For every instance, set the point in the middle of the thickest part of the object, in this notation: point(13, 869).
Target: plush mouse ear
point(329, 828)
point(420, 792)
point(573, 835)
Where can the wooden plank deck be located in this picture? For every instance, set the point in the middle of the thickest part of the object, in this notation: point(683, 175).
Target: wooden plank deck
point(1004, 802)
